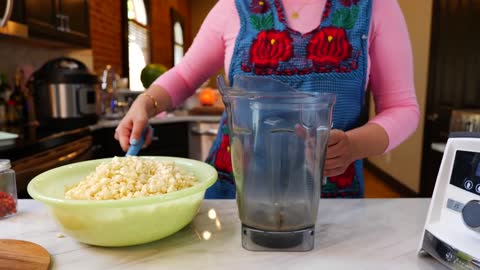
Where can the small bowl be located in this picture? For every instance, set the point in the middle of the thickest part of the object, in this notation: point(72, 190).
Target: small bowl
point(114, 223)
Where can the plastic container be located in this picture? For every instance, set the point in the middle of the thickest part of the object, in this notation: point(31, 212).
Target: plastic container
point(278, 138)
point(8, 189)
point(120, 222)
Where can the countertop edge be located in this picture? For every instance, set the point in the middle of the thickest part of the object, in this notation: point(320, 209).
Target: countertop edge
point(105, 123)
point(16, 152)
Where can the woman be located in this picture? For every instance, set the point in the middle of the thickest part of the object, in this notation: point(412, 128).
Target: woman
point(338, 46)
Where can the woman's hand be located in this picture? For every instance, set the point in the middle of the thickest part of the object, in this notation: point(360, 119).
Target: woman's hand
point(339, 153)
point(343, 148)
point(129, 131)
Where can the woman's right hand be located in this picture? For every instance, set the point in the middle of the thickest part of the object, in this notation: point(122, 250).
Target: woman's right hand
point(153, 101)
point(129, 130)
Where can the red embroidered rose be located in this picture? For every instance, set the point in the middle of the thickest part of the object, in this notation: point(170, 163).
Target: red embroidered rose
point(349, 3)
point(271, 47)
point(344, 180)
point(330, 46)
point(260, 6)
point(223, 160)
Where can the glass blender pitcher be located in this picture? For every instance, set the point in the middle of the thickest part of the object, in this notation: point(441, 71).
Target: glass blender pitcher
point(278, 140)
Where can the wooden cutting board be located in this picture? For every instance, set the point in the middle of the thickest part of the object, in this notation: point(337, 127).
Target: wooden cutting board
point(22, 255)
point(206, 110)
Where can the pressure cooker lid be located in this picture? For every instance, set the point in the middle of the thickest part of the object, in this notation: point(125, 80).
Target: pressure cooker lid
point(64, 70)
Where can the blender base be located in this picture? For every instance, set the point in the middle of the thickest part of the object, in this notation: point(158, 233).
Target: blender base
point(259, 240)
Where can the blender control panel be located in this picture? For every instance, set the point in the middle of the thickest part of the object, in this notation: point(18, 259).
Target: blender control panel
point(452, 226)
point(466, 171)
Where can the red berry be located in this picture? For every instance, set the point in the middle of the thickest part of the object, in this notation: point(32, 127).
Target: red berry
point(7, 204)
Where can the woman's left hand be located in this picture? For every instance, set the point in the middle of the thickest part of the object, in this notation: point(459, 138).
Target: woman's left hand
point(339, 153)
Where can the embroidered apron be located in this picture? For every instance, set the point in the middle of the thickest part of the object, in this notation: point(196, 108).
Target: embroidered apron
point(331, 58)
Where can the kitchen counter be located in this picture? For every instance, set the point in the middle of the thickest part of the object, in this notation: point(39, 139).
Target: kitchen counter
point(170, 118)
point(34, 140)
point(350, 234)
point(439, 147)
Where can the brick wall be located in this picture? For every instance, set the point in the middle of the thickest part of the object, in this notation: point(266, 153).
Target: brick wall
point(161, 28)
point(106, 34)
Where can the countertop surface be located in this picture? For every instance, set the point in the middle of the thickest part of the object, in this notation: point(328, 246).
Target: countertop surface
point(350, 234)
point(171, 118)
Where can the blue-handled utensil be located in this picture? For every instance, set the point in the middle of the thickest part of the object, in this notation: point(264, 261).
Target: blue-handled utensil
point(135, 148)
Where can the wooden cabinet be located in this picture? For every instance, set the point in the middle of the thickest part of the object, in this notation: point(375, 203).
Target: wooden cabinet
point(76, 20)
point(40, 17)
point(59, 20)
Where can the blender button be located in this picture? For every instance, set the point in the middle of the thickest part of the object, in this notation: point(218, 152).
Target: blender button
point(468, 184)
point(477, 188)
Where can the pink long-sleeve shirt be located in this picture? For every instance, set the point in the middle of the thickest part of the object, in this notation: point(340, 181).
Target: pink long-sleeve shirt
point(390, 61)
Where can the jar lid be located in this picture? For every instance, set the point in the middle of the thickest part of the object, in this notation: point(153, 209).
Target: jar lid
point(4, 164)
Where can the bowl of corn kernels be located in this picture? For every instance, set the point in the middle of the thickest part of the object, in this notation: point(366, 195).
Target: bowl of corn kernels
point(124, 201)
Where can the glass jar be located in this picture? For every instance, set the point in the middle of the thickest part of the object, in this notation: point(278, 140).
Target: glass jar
point(8, 189)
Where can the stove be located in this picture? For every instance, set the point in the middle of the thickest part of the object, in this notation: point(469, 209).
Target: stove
point(40, 148)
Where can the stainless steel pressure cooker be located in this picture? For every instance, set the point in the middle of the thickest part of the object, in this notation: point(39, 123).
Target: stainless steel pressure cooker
point(65, 91)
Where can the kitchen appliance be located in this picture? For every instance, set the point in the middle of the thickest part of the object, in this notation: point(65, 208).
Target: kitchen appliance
point(278, 140)
point(66, 93)
point(8, 26)
point(201, 138)
point(452, 229)
point(59, 149)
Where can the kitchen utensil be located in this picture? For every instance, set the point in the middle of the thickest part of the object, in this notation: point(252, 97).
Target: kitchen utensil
point(452, 229)
point(278, 139)
point(23, 255)
point(204, 110)
point(120, 222)
point(135, 148)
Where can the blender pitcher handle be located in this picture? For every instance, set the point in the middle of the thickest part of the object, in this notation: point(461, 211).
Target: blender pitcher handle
point(222, 85)
point(281, 168)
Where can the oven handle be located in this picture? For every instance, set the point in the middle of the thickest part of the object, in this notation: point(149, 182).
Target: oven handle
point(60, 161)
point(75, 155)
point(7, 13)
point(198, 132)
point(55, 157)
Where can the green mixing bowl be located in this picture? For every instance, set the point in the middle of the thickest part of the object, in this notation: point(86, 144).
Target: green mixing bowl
point(120, 222)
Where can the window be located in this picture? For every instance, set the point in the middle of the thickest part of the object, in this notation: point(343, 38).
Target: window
point(177, 43)
point(178, 37)
point(138, 42)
